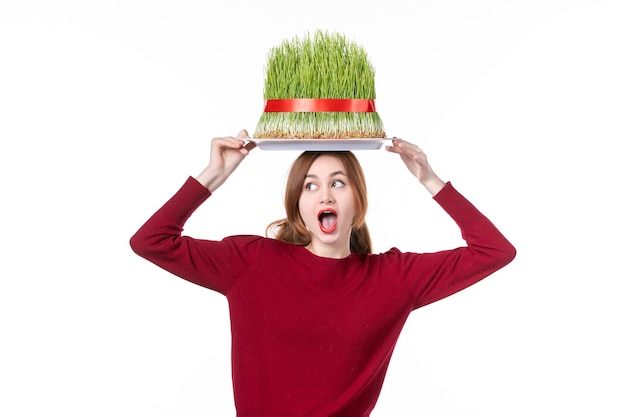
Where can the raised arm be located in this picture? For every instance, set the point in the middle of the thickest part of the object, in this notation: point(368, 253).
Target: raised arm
point(448, 272)
point(160, 239)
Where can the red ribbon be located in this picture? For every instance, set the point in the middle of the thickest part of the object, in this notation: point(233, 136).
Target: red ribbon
point(289, 105)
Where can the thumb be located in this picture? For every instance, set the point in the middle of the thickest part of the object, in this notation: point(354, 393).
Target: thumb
point(243, 134)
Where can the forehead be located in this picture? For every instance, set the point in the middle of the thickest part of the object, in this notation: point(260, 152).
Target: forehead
point(325, 165)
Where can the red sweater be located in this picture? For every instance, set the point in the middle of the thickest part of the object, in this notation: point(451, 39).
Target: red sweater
point(313, 336)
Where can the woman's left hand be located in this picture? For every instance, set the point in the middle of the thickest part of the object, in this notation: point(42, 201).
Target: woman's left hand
point(416, 161)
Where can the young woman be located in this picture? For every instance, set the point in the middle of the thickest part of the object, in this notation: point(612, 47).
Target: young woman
point(314, 314)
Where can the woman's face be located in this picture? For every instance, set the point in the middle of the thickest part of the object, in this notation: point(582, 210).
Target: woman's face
point(327, 207)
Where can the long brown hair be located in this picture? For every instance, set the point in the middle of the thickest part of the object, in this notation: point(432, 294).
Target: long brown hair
point(292, 229)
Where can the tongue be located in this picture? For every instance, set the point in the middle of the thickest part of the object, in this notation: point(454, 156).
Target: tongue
point(328, 221)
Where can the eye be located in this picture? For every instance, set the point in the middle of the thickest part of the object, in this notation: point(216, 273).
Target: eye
point(309, 186)
point(337, 184)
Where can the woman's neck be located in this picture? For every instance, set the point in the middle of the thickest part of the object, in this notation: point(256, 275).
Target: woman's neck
point(328, 251)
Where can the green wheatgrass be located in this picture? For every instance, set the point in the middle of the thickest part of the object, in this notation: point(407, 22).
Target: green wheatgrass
point(324, 65)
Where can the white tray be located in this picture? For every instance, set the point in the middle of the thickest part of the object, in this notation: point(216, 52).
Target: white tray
point(319, 144)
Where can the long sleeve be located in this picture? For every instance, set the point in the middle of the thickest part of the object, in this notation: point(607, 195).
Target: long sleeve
point(448, 272)
point(211, 264)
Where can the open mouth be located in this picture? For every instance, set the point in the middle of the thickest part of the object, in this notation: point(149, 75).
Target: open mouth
point(327, 220)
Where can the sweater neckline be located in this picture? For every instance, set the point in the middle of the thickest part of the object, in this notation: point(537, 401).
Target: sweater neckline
point(336, 264)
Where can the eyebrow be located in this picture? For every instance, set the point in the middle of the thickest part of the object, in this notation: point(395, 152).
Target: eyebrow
point(332, 174)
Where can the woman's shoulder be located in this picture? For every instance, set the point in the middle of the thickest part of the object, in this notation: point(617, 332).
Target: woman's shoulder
point(260, 250)
point(390, 257)
point(389, 253)
point(257, 241)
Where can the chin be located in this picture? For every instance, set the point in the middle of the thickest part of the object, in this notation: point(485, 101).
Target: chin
point(332, 239)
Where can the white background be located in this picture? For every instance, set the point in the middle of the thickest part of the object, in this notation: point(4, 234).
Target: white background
point(107, 106)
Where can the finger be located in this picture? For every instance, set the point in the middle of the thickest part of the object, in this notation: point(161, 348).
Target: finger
point(403, 144)
point(404, 150)
point(392, 149)
point(395, 144)
point(228, 142)
point(409, 146)
point(243, 134)
point(248, 144)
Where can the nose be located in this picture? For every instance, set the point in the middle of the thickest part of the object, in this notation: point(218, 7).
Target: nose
point(326, 196)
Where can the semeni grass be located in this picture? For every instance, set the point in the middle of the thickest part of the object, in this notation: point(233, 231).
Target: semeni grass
point(319, 66)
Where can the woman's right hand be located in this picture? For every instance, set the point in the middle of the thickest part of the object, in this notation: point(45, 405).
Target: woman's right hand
point(226, 155)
